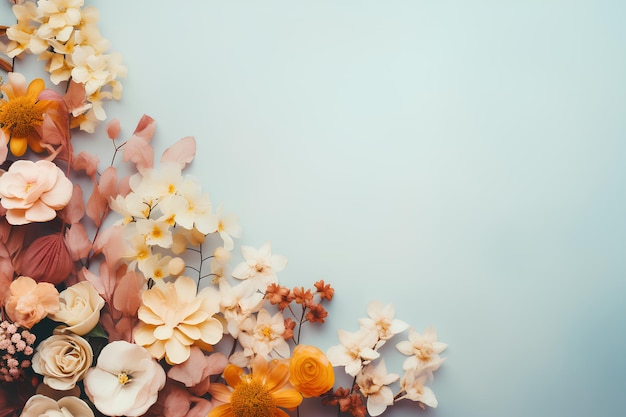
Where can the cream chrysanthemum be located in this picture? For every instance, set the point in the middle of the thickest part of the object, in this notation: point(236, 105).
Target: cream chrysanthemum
point(172, 319)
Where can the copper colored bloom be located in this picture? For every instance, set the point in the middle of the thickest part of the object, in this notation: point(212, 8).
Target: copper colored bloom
point(316, 313)
point(258, 394)
point(289, 326)
point(302, 297)
point(22, 114)
point(277, 294)
point(324, 290)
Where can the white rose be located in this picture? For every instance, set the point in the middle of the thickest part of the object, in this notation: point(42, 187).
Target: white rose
point(63, 360)
point(80, 308)
point(40, 405)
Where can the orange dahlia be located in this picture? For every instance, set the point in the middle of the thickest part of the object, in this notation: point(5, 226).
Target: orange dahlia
point(258, 394)
point(22, 114)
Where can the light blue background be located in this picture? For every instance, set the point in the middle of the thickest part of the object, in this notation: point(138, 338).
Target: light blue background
point(463, 160)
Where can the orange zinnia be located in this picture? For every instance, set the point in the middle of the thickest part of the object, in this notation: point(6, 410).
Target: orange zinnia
point(22, 114)
point(258, 394)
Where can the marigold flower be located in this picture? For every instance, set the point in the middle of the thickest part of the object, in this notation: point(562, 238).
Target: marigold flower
point(258, 394)
point(22, 115)
point(29, 302)
point(310, 371)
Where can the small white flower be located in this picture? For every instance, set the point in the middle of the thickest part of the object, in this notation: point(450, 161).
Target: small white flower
point(423, 350)
point(382, 320)
point(260, 266)
point(355, 350)
point(373, 381)
point(237, 303)
point(155, 232)
point(412, 384)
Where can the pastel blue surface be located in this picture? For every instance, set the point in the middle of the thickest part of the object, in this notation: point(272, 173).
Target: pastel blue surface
point(463, 160)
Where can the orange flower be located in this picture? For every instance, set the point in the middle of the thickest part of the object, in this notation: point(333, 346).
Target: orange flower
point(28, 302)
point(310, 372)
point(258, 394)
point(22, 115)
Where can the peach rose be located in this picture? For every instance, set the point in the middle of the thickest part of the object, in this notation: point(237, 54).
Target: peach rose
point(310, 372)
point(63, 360)
point(34, 191)
point(28, 302)
point(80, 308)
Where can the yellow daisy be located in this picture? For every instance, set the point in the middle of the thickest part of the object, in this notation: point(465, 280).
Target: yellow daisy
point(258, 394)
point(22, 114)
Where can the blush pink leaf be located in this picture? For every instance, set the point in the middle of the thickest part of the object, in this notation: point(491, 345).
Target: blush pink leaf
point(77, 242)
point(113, 129)
point(182, 152)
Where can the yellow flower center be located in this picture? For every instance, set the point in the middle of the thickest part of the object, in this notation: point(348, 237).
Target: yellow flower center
point(252, 399)
point(171, 188)
point(156, 232)
point(425, 351)
point(20, 115)
point(123, 378)
point(266, 331)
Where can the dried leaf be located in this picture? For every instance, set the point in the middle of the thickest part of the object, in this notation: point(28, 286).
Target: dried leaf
point(113, 129)
point(110, 242)
point(145, 128)
point(127, 296)
point(96, 206)
point(182, 152)
point(76, 99)
point(48, 259)
point(77, 242)
point(86, 162)
point(138, 151)
point(108, 183)
point(75, 209)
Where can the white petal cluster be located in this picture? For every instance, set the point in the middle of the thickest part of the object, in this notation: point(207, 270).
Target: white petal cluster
point(168, 211)
point(358, 352)
point(65, 35)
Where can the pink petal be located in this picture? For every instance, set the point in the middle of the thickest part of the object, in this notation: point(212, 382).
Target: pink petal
point(113, 128)
point(77, 241)
point(75, 209)
point(182, 152)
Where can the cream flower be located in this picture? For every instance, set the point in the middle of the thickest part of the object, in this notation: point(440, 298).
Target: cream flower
point(382, 320)
point(172, 319)
point(260, 266)
point(355, 350)
point(237, 303)
point(28, 302)
point(226, 226)
point(423, 350)
point(125, 381)
point(33, 191)
point(266, 335)
point(63, 360)
point(155, 232)
point(373, 381)
point(40, 405)
point(79, 309)
point(413, 388)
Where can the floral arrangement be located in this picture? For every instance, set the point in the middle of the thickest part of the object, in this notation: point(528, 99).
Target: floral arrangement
point(116, 292)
